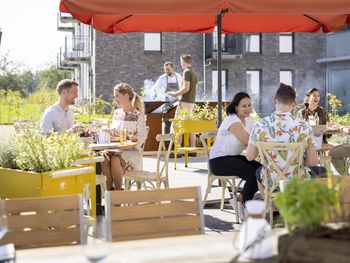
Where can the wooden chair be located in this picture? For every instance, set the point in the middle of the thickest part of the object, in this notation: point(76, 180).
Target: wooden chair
point(148, 179)
point(223, 179)
point(266, 150)
point(342, 184)
point(45, 221)
point(156, 213)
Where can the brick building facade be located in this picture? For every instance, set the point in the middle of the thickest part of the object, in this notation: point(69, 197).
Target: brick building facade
point(122, 58)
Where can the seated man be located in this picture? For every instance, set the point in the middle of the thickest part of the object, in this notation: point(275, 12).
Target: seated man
point(280, 126)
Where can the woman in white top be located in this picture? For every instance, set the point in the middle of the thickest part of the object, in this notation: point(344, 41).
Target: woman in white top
point(226, 154)
point(129, 116)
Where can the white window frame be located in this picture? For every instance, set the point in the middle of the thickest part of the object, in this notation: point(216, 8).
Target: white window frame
point(214, 83)
point(288, 80)
point(254, 92)
point(286, 43)
point(253, 43)
point(152, 41)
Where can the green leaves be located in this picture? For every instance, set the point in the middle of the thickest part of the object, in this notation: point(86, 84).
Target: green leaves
point(334, 102)
point(8, 152)
point(40, 153)
point(304, 203)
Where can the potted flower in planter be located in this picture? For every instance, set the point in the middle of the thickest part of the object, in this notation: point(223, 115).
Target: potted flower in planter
point(305, 206)
point(33, 164)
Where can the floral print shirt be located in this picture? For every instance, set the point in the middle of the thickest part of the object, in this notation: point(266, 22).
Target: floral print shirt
point(281, 127)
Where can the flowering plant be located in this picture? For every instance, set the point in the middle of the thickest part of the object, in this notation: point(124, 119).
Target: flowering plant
point(40, 153)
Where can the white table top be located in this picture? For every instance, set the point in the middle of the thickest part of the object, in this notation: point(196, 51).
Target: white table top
point(199, 248)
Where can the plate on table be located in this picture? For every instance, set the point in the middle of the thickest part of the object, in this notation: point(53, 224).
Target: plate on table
point(104, 145)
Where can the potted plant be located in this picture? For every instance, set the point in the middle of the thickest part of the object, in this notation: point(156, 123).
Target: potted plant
point(305, 206)
point(33, 164)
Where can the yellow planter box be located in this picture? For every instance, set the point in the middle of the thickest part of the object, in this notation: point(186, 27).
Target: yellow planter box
point(23, 184)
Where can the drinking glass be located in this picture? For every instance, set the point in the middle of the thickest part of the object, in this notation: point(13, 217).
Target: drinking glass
point(97, 250)
point(3, 219)
point(122, 134)
point(312, 120)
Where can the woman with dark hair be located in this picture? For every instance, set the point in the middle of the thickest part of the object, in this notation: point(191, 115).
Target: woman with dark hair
point(226, 154)
point(312, 108)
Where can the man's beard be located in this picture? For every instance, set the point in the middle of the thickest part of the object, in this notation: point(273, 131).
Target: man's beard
point(170, 74)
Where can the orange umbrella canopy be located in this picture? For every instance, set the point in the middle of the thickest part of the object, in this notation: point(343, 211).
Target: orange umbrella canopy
point(199, 16)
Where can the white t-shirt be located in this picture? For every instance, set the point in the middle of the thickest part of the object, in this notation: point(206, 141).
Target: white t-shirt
point(55, 119)
point(226, 142)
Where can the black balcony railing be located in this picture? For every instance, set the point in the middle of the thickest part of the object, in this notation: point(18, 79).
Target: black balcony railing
point(77, 49)
point(62, 63)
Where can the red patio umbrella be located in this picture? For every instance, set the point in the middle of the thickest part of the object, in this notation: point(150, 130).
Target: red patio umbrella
point(201, 16)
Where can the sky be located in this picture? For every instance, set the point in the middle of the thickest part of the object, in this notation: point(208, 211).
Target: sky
point(29, 32)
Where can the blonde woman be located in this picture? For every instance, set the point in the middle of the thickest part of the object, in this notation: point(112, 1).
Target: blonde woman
point(129, 116)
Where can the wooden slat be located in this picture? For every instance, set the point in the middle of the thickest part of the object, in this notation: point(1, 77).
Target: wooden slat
point(154, 210)
point(120, 197)
point(165, 224)
point(14, 206)
point(57, 219)
point(42, 238)
point(156, 235)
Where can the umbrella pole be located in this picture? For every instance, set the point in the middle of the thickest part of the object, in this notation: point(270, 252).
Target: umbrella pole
point(219, 24)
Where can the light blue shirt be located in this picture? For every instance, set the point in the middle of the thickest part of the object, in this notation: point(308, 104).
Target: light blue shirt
point(55, 119)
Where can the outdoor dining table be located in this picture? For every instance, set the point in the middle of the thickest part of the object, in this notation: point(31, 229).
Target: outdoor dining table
point(198, 248)
point(112, 146)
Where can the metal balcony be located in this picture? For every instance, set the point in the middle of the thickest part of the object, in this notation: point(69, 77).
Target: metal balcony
point(77, 49)
point(67, 18)
point(63, 65)
point(65, 22)
point(337, 47)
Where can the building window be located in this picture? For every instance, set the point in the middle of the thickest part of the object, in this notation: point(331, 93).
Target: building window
point(286, 42)
point(215, 40)
point(253, 87)
point(286, 77)
point(253, 43)
point(153, 42)
point(214, 82)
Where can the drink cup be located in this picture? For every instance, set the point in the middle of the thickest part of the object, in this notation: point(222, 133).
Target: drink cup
point(122, 134)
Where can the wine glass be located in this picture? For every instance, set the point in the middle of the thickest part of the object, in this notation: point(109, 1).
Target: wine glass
point(3, 219)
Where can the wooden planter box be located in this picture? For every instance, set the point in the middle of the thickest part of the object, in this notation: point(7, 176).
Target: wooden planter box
point(300, 248)
point(75, 180)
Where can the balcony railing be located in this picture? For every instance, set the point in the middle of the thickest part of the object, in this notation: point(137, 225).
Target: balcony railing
point(66, 23)
point(62, 64)
point(77, 49)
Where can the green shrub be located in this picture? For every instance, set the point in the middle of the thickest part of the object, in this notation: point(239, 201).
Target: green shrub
point(8, 152)
point(41, 153)
point(304, 203)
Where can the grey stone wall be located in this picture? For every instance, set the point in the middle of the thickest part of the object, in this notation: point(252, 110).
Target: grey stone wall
point(121, 58)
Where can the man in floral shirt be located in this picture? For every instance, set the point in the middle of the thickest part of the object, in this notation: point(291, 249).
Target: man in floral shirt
point(280, 126)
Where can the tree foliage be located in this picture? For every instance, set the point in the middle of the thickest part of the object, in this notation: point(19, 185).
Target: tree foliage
point(48, 78)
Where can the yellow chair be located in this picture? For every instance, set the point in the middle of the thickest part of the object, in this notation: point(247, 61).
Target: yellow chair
point(293, 152)
point(186, 127)
point(223, 179)
point(156, 213)
point(148, 179)
point(45, 221)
